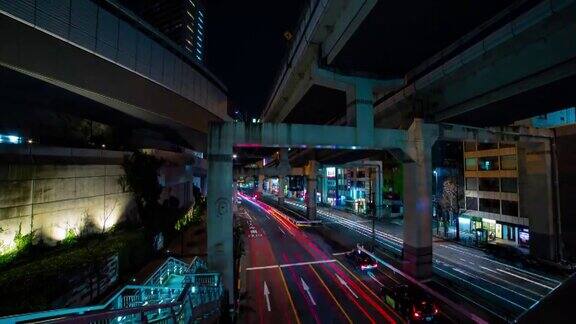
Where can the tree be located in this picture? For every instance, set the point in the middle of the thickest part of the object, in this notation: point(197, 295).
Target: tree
point(107, 214)
point(141, 178)
point(449, 202)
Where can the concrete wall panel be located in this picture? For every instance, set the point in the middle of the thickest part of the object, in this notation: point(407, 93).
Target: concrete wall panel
point(64, 197)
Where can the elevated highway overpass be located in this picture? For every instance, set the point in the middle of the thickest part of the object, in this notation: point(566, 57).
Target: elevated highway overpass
point(479, 65)
point(97, 60)
point(442, 62)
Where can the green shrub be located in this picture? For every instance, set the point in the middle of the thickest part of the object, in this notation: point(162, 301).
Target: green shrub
point(33, 284)
point(70, 237)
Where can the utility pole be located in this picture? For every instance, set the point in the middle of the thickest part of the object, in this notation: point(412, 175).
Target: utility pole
point(374, 227)
point(373, 207)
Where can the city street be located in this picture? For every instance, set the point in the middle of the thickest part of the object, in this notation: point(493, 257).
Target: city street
point(294, 275)
point(498, 289)
point(296, 161)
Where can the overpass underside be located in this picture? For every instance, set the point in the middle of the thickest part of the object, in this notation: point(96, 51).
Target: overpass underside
point(107, 62)
point(413, 147)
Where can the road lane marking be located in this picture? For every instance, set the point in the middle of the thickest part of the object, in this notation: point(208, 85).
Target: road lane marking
point(340, 253)
point(287, 265)
point(485, 290)
point(261, 268)
point(446, 246)
point(524, 278)
point(289, 297)
point(307, 290)
point(371, 275)
point(514, 285)
point(345, 284)
point(267, 295)
point(375, 303)
point(306, 263)
point(393, 238)
point(331, 294)
point(281, 230)
point(470, 300)
point(387, 275)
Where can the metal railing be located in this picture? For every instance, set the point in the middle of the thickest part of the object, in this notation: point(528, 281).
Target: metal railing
point(196, 296)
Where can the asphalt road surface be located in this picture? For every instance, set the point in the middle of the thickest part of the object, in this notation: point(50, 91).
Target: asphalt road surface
point(494, 287)
point(293, 275)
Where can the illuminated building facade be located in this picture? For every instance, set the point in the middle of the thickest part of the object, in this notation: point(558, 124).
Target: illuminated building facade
point(183, 21)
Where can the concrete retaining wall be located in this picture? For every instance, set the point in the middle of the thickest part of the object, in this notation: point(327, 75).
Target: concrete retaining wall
point(52, 199)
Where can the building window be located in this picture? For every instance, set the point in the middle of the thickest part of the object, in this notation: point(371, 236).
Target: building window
point(509, 184)
point(489, 163)
point(508, 162)
point(471, 164)
point(471, 183)
point(487, 146)
point(489, 205)
point(471, 203)
point(469, 146)
point(509, 208)
point(489, 184)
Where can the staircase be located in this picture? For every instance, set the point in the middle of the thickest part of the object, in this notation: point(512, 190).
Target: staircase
point(176, 292)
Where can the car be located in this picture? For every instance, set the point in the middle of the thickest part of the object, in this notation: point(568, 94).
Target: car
point(410, 303)
point(361, 260)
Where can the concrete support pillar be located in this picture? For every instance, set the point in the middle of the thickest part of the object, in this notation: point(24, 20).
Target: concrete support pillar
point(418, 200)
point(234, 194)
point(219, 199)
point(536, 202)
point(360, 111)
point(311, 174)
point(260, 183)
point(280, 193)
point(284, 168)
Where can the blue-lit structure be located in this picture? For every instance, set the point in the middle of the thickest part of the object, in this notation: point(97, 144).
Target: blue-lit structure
point(177, 292)
point(555, 119)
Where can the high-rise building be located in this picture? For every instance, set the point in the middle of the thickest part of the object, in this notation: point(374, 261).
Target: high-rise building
point(183, 21)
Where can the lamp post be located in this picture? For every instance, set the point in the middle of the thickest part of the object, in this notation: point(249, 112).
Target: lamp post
point(435, 183)
point(437, 200)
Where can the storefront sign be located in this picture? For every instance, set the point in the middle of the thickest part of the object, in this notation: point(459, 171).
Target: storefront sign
point(523, 236)
point(348, 179)
point(331, 172)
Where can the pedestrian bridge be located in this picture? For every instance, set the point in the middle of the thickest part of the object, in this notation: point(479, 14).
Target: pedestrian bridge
point(176, 292)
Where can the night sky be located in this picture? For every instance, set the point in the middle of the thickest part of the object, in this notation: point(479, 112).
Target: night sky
point(245, 45)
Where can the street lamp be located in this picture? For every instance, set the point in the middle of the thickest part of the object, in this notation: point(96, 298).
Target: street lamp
point(435, 183)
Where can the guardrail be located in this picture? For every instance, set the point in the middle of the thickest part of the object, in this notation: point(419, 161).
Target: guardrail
point(197, 295)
